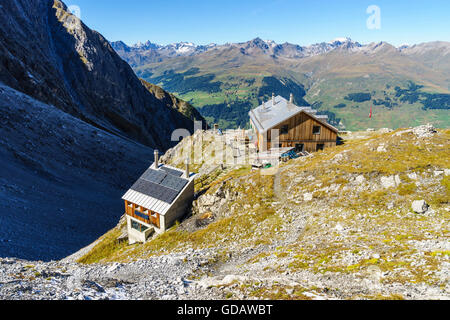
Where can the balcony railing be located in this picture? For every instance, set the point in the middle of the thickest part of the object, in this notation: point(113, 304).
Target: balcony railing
point(151, 218)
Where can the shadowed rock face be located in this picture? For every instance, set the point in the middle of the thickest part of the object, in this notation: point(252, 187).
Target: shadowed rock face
point(49, 54)
point(76, 125)
point(61, 179)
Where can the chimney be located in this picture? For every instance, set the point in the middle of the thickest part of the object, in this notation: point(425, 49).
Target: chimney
point(291, 99)
point(156, 159)
point(187, 173)
point(273, 99)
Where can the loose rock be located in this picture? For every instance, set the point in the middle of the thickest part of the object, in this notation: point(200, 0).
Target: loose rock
point(420, 206)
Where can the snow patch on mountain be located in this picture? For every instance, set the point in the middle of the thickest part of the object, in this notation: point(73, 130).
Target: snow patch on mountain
point(150, 52)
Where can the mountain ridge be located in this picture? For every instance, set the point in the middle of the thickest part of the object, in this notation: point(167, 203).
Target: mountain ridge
point(226, 81)
point(76, 128)
point(173, 49)
point(71, 59)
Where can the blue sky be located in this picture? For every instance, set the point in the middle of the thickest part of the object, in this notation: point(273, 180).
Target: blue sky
point(297, 21)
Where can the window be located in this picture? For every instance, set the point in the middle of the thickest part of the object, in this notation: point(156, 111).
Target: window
point(320, 147)
point(284, 129)
point(137, 226)
point(317, 129)
point(141, 215)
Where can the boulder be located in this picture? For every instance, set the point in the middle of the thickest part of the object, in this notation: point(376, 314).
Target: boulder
point(307, 196)
point(382, 148)
point(388, 182)
point(420, 206)
point(391, 182)
point(438, 173)
point(337, 158)
point(413, 176)
point(360, 179)
point(207, 200)
point(425, 131)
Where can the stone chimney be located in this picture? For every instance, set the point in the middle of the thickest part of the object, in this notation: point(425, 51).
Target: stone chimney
point(291, 99)
point(187, 172)
point(156, 159)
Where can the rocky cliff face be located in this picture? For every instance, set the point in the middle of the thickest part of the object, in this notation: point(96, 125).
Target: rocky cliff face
point(72, 114)
point(49, 54)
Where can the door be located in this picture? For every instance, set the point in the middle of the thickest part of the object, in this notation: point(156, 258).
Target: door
point(300, 147)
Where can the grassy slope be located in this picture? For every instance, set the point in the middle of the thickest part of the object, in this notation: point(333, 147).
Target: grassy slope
point(181, 106)
point(263, 217)
point(234, 79)
point(356, 115)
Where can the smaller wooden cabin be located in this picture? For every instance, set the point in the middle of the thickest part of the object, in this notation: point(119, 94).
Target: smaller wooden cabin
point(279, 123)
point(159, 198)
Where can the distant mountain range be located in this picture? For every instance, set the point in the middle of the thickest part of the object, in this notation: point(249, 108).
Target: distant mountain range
point(408, 85)
point(148, 52)
point(142, 53)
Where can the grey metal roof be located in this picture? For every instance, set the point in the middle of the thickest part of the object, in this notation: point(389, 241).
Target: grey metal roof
point(157, 189)
point(267, 115)
point(146, 202)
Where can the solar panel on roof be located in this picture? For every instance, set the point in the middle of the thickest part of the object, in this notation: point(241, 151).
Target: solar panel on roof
point(174, 182)
point(154, 190)
point(172, 171)
point(154, 176)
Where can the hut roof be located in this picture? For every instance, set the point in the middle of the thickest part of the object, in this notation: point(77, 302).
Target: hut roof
point(157, 189)
point(269, 114)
